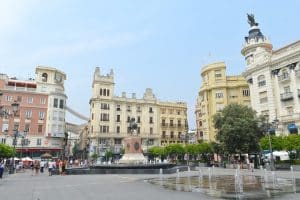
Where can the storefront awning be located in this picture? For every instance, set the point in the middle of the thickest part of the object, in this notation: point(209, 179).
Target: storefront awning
point(292, 128)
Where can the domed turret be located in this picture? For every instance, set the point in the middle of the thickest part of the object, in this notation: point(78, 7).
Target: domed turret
point(257, 47)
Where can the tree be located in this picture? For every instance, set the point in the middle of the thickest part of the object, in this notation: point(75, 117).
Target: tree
point(157, 152)
point(237, 129)
point(175, 151)
point(278, 143)
point(108, 155)
point(6, 151)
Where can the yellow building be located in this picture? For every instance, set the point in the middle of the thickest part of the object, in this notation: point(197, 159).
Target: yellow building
point(158, 122)
point(217, 91)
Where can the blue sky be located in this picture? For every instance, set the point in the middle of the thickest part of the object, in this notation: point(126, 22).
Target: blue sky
point(161, 44)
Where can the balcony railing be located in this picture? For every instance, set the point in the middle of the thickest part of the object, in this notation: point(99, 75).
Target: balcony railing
point(284, 77)
point(286, 96)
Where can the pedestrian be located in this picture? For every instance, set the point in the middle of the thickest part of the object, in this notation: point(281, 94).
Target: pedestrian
point(1, 168)
point(50, 167)
point(60, 167)
point(63, 167)
point(36, 167)
point(42, 166)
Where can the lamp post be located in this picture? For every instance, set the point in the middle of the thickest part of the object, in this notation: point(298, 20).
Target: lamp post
point(5, 114)
point(274, 125)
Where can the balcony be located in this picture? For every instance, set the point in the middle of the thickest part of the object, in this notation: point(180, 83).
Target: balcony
point(286, 96)
point(284, 77)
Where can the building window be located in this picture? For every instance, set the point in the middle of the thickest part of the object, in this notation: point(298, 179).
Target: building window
point(104, 106)
point(150, 110)
point(16, 126)
point(41, 115)
point(28, 114)
point(138, 119)
point(30, 100)
point(40, 128)
point(118, 129)
point(43, 100)
point(171, 122)
point(27, 127)
point(218, 73)
point(151, 120)
point(164, 134)
point(246, 92)
point(104, 92)
point(104, 117)
point(44, 77)
point(163, 122)
point(139, 109)
point(118, 107)
point(263, 97)
point(55, 103)
point(118, 118)
point(107, 92)
point(179, 123)
point(290, 110)
point(128, 119)
point(101, 92)
point(178, 112)
point(8, 98)
point(172, 134)
point(261, 81)
point(200, 123)
point(39, 142)
point(19, 98)
point(128, 108)
point(219, 95)
point(61, 104)
point(151, 131)
point(104, 129)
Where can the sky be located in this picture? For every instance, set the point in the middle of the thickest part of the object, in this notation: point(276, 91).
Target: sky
point(158, 44)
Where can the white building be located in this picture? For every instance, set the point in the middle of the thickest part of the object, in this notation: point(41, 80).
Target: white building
point(274, 79)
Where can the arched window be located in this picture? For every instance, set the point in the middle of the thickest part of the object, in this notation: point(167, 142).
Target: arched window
point(44, 77)
point(261, 80)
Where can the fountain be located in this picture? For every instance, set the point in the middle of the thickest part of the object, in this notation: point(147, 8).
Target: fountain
point(264, 185)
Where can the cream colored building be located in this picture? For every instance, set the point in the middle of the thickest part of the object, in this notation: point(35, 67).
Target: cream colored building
point(274, 80)
point(110, 115)
point(217, 91)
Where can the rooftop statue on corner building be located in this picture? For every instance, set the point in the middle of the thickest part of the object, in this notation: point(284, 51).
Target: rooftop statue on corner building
point(251, 20)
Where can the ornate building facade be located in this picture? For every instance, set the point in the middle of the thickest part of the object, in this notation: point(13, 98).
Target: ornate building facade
point(217, 91)
point(158, 122)
point(274, 79)
point(39, 125)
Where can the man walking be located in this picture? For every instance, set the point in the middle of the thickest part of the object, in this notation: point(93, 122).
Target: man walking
point(1, 168)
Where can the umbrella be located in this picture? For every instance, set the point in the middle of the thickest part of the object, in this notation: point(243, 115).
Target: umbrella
point(46, 155)
point(15, 158)
point(27, 159)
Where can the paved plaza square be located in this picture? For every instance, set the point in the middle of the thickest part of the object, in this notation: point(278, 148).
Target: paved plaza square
point(112, 186)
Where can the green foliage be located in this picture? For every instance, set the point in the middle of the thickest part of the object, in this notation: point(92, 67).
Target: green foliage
point(278, 143)
point(157, 152)
point(191, 149)
point(108, 154)
point(95, 156)
point(6, 151)
point(237, 129)
point(175, 149)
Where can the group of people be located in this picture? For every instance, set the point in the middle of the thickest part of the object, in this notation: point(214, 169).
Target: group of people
point(39, 166)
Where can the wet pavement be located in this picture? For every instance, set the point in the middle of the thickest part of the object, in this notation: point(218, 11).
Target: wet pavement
point(130, 186)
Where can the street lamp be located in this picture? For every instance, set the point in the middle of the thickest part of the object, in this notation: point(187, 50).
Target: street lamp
point(273, 126)
point(5, 114)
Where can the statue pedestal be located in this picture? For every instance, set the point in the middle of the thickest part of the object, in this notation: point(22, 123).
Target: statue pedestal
point(133, 151)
